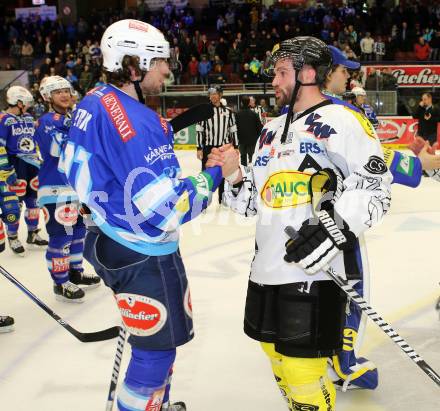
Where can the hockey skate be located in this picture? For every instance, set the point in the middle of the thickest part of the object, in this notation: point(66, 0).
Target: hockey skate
point(16, 246)
point(34, 239)
point(6, 324)
point(68, 292)
point(177, 406)
point(84, 280)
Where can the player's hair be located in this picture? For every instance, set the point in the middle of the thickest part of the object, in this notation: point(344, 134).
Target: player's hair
point(123, 76)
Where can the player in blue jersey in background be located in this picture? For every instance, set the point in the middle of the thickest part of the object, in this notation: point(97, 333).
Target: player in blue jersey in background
point(351, 371)
point(65, 225)
point(120, 160)
point(17, 135)
point(9, 213)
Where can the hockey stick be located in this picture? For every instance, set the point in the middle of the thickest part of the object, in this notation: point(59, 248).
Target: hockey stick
point(191, 116)
point(116, 366)
point(380, 322)
point(103, 335)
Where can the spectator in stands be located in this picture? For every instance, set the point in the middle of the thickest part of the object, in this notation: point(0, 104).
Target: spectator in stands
point(9, 66)
point(435, 46)
point(422, 49)
point(222, 49)
point(45, 67)
point(405, 38)
point(255, 67)
point(72, 78)
point(235, 57)
point(204, 69)
point(79, 67)
point(60, 67)
point(27, 52)
point(35, 76)
point(389, 82)
point(374, 80)
point(49, 49)
point(349, 53)
point(15, 52)
point(193, 70)
point(356, 79)
point(254, 18)
point(218, 76)
point(39, 46)
point(202, 47)
point(366, 44)
point(247, 76)
point(428, 116)
point(85, 79)
point(379, 49)
point(176, 65)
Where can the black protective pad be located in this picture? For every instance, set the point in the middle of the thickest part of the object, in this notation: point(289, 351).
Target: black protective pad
point(191, 116)
point(299, 323)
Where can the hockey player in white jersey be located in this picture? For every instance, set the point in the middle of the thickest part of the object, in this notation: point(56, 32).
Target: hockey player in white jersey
point(318, 147)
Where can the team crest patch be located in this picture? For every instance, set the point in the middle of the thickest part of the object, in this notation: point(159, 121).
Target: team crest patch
point(60, 264)
point(34, 184)
point(142, 316)
point(67, 214)
point(19, 188)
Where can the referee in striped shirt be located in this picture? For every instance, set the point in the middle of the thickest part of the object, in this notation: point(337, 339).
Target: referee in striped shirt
point(216, 131)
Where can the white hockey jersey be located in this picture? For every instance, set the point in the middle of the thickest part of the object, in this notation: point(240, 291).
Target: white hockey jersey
point(276, 189)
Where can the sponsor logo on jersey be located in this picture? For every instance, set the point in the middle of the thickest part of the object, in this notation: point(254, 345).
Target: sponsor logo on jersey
point(364, 122)
point(82, 118)
point(326, 394)
point(18, 131)
point(286, 153)
point(32, 213)
point(164, 152)
point(34, 184)
point(143, 316)
point(155, 401)
point(187, 305)
point(19, 188)
point(306, 147)
point(261, 161)
point(60, 264)
point(405, 165)
point(9, 121)
point(118, 116)
point(286, 189)
point(300, 406)
point(318, 128)
point(376, 165)
point(67, 214)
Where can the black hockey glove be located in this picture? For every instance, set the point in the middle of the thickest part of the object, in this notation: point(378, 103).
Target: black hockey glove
point(321, 238)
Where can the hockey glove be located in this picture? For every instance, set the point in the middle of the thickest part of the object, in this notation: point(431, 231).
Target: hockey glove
point(321, 238)
point(10, 207)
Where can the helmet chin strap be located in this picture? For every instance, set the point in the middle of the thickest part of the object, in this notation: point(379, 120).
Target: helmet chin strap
point(289, 116)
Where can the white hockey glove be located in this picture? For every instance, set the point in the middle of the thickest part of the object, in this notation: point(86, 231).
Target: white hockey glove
point(322, 237)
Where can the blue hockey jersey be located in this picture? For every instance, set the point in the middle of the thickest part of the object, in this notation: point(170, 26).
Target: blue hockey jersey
point(120, 160)
point(50, 135)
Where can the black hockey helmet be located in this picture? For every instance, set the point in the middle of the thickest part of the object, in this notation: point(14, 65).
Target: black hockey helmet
point(305, 50)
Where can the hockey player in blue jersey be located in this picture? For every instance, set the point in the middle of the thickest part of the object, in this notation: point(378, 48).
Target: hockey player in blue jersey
point(350, 370)
point(17, 135)
point(361, 103)
point(65, 225)
point(120, 160)
point(9, 213)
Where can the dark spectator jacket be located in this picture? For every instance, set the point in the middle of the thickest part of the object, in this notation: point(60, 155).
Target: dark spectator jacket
point(428, 119)
point(248, 127)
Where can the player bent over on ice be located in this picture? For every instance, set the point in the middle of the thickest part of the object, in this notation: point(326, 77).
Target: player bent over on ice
point(120, 160)
point(319, 170)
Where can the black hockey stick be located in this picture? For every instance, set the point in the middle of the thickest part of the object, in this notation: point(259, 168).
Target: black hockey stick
point(103, 335)
point(191, 116)
point(116, 367)
point(380, 322)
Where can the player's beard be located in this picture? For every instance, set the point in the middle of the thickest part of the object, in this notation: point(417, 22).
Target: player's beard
point(283, 99)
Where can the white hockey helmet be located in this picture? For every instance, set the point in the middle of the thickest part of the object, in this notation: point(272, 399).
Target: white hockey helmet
point(19, 93)
point(53, 83)
point(132, 38)
point(358, 91)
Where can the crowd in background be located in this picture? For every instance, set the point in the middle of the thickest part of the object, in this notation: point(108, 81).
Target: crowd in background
point(235, 49)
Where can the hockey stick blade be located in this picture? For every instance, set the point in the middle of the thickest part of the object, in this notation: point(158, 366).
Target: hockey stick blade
point(373, 315)
point(191, 116)
point(103, 335)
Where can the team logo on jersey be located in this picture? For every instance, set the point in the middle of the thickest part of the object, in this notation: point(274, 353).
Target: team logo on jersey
point(34, 184)
point(9, 121)
point(310, 147)
point(376, 165)
point(266, 138)
point(143, 316)
point(26, 145)
point(67, 214)
point(187, 305)
point(286, 189)
point(60, 264)
point(19, 188)
point(118, 116)
point(300, 406)
point(318, 128)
